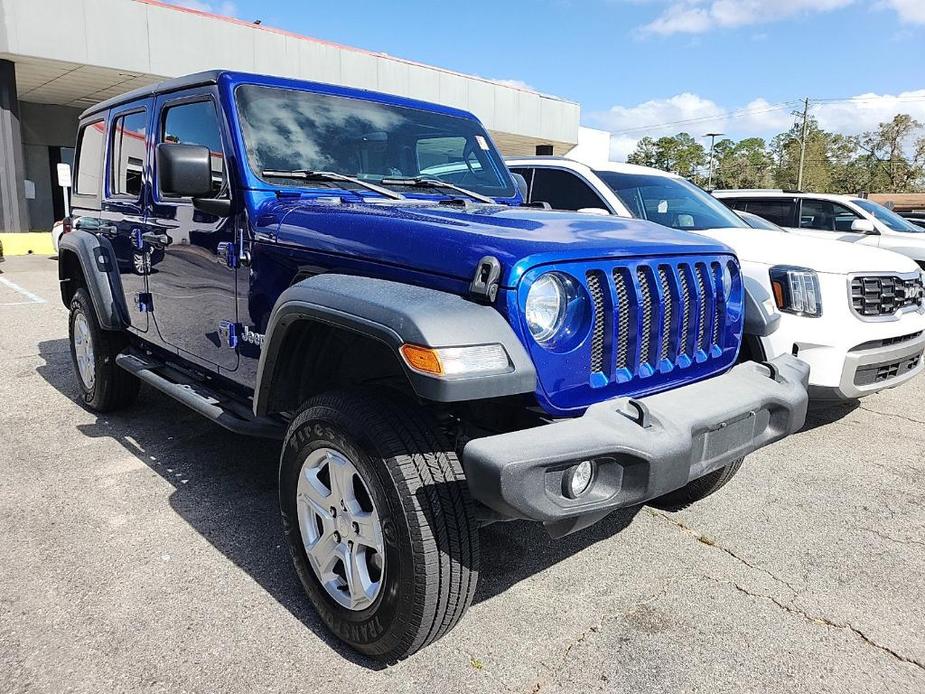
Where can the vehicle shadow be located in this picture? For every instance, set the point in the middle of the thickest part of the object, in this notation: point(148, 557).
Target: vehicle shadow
point(823, 413)
point(225, 488)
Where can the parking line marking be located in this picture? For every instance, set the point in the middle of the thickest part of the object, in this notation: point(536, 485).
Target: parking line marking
point(33, 299)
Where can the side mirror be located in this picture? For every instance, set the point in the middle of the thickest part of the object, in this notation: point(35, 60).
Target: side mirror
point(863, 226)
point(599, 211)
point(184, 171)
point(521, 184)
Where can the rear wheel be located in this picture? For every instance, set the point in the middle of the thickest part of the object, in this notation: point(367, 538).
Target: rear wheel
point(103, 385)
point(698, 489)
point(379, 521)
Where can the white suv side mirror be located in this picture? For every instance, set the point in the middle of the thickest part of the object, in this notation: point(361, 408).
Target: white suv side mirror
point(863, 226)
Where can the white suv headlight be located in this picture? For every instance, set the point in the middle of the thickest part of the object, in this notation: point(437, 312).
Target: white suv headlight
point(796, 290)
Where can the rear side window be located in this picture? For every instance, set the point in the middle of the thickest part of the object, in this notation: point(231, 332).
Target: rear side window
point(89, 159)
point(778, 211)
point(128, 153)
point(196, 123)
point(826, 216)
point(563, 190)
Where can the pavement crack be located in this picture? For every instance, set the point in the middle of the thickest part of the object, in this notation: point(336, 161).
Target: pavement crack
point(890, 538)
point(556, 670)
point(711, 542)
point(905, 418)
point(822, 620)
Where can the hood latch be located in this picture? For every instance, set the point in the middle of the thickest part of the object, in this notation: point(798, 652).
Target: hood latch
point(484, 285)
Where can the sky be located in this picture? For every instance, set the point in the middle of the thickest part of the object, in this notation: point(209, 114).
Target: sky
point(651, 67)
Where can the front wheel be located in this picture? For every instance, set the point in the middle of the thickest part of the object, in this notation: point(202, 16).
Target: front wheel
point(698, 489)
point(379, 521)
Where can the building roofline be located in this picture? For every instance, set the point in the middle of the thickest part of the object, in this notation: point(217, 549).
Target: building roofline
point(334, 44)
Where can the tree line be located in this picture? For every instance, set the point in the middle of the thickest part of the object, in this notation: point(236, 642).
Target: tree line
point(889, 159)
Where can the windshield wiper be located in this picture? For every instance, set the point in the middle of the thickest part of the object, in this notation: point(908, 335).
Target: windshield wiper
point(306, 175)
point(425, 182)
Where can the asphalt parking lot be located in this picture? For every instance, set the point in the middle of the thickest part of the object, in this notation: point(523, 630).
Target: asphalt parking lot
point(143, 552)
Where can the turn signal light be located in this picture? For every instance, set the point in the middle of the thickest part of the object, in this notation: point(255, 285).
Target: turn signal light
point(457, 362)
point(422, 359)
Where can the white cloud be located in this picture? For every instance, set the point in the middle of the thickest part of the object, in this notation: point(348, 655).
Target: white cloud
point(911, 11)
point(228, 9)
point(697, 115)
point(700, 16)
point(865, 111)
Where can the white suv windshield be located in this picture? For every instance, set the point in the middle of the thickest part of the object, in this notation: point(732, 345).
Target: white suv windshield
point(291, 130)
point(671, 202)
point(887, 216)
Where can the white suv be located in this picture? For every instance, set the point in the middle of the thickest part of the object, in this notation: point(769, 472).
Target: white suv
point(855, 315)
point(839, 217)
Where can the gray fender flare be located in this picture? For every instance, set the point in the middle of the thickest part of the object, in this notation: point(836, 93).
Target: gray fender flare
point(101, 272)
point(397, 314)
point(759, 322)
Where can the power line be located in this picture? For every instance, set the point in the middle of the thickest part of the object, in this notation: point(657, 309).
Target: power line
point(718, 116)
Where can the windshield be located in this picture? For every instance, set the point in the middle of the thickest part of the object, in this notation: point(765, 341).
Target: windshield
point(671, 202)
point(291, 129)
point(887, 216)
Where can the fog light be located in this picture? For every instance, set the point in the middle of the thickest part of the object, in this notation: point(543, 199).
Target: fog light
point(577, 479)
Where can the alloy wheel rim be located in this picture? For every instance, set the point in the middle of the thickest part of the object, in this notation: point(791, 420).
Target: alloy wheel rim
point(340, 529)
point(83, 350)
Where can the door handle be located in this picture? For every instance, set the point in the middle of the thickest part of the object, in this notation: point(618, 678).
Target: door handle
point(107, 229)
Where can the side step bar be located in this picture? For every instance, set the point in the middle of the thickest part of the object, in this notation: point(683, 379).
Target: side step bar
point(221, 409)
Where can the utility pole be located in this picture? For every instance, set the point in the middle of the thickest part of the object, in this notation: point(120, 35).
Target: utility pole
point(712, 137)
point(803, 142)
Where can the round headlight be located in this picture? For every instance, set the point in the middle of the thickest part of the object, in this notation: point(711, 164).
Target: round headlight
point(546, 305)
point(727, 281)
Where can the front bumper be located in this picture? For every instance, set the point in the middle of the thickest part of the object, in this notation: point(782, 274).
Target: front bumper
point(868, 370)
point(642, 449)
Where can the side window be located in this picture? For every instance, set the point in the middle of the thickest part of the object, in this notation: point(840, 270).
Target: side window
point(563, 190)
point(196, 123)
point(528, 177)
point(89, 159)
point(778, 211)
point(826, 216)
point(844, 217)
point(128, 154)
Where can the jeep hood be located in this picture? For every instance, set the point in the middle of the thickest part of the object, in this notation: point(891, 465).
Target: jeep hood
point(782, 248)
point(450, 240)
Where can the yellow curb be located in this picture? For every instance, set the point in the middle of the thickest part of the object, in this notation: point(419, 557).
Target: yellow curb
point(38, 243)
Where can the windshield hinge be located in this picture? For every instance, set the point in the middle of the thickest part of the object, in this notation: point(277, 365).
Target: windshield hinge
point(484, 285)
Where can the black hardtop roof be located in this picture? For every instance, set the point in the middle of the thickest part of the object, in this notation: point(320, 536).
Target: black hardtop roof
point(164, 87)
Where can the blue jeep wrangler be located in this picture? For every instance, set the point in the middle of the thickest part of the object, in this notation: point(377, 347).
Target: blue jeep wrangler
point(353, 274)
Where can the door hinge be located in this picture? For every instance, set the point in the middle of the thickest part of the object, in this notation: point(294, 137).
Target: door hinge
point(228, 251)
point(144, 302)
point(230, 333)
point(484, 284)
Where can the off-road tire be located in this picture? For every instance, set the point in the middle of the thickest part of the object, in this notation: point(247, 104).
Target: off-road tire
point(429, 530)
point(699, 489)
point(113, 388)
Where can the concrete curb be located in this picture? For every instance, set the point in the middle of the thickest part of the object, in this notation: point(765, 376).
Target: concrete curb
point(28, 243)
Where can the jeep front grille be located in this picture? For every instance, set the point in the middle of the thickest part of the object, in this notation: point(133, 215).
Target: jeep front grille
point(667, 314)
point(876, 296)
